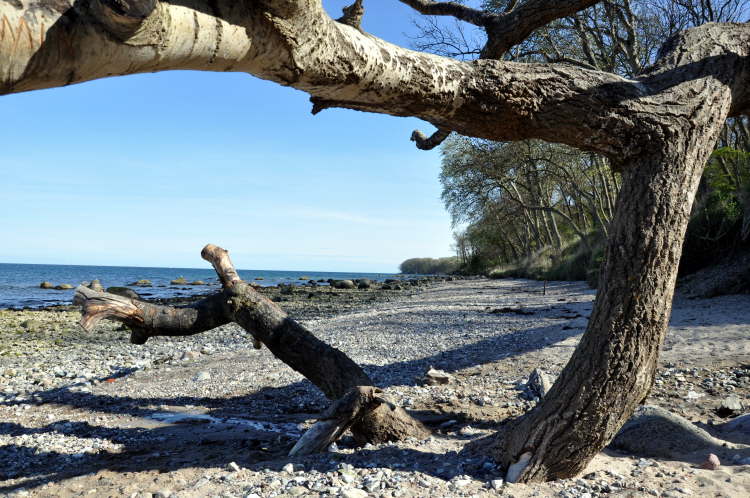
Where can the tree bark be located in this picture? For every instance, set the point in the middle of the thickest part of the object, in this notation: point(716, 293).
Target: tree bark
point(328, 368)
point(612, 369)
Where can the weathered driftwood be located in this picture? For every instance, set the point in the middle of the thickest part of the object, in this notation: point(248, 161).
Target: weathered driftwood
point(328, 368)
point(339, 417)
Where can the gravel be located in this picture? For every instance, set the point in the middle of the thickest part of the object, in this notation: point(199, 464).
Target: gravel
point(208, 415)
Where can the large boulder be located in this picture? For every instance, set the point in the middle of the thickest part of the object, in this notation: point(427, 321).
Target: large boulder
point(179, 281)
point(364, 283)
point(344, 284)
point(124, 292)
point(141, 283)
point(46, 285)
point(63, 287)
point(655, 432)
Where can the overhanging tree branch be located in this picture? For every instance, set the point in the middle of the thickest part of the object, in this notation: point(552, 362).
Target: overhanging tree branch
point(476, 17)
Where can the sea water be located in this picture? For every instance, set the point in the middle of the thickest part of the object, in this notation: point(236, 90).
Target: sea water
point(19, 283)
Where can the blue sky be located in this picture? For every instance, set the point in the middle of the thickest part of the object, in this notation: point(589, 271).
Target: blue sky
point(144, 170)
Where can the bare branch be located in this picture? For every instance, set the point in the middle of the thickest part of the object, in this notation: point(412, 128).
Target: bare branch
point(428, 143)
point(353, 15)
point(219, 259)
point(510, 28)
point(454, 9)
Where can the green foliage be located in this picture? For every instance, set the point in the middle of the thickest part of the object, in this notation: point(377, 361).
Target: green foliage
point(718, 225)
point(430, 266)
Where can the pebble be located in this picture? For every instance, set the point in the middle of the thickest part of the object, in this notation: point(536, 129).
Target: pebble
point(497, 484)
point(711, 463)
point(289, 468)
point(202, 376)
point(353, 493)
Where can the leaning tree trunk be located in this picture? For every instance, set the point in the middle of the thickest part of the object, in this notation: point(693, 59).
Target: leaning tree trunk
point(328, 368)
point(612, 370)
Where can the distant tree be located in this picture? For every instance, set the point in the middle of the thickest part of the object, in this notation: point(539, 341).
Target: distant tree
point(430, 266)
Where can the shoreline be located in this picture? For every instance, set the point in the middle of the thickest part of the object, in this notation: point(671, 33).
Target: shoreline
point(180, 411)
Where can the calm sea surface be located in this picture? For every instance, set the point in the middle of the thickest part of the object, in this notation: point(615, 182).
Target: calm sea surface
point(19, 284)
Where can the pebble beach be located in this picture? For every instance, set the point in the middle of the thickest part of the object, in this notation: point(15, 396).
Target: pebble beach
point(88, 414)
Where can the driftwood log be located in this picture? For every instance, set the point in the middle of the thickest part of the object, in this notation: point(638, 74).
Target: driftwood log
point(328, 368)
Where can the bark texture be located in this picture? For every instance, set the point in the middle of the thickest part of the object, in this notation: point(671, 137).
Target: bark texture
point(658, 128)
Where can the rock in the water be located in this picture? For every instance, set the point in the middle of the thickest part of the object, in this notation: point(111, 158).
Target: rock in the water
point(434, 377)
point(540, 382)
point(197, 282)
point(46, 285)
point(141, 283)
point(344, 284)
point(124, 292)
point(63, 287)
point(179, 281)
point(730, 406)
point(711, 463)
point(654, 432)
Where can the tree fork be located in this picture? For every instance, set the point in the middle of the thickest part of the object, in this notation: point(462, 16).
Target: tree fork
point(122, 18)
point(328, 368)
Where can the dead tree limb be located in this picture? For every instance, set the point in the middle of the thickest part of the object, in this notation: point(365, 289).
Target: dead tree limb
point(328, 368)
point(339, 417)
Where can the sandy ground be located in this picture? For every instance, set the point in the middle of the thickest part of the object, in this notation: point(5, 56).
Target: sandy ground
point(210, 416)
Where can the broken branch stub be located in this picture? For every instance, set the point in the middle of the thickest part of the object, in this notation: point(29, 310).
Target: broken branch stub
point(150, 320)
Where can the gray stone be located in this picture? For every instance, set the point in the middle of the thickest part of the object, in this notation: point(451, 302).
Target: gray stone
point(540, 382)
point(354, 493)
point(344, 284)
point(297, 490)
point(124, 292)
point(730, 406)
point(202, 376)
point(434, 377)
point(655, 432)
point(288, 468)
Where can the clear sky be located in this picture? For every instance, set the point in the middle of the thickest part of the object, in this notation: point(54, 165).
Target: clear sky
point(144, 170)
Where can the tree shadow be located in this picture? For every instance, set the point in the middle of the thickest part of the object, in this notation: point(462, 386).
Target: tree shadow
point(254, 429)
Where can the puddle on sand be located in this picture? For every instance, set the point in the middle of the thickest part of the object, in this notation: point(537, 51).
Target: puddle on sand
point(203, 418)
